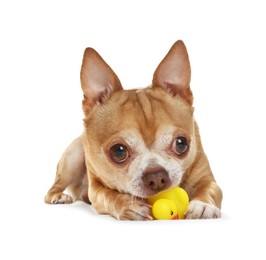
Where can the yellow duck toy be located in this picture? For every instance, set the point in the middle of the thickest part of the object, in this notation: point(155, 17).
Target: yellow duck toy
point(169, 204)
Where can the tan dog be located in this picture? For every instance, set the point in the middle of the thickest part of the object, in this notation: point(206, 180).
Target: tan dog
point(137, 143)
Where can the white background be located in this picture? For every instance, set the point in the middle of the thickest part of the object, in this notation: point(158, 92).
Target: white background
point(41, 47)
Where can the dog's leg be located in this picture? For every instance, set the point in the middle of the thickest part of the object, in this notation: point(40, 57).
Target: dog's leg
point(71, 174)
point(205, 203)
point(204, 193)
point(119, 205)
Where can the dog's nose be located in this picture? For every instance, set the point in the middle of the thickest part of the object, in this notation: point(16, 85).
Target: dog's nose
point(156, 179)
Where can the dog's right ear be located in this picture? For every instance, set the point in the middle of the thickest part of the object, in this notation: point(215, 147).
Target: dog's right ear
point(98, 80)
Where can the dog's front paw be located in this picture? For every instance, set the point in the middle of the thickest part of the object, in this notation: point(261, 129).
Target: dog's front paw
point(198, 209)
point(58, 198)
point(136, 210)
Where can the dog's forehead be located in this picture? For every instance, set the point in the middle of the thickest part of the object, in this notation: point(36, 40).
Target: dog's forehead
point(146, 111)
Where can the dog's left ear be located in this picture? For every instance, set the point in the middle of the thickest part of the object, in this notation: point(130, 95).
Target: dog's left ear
point(174, 73)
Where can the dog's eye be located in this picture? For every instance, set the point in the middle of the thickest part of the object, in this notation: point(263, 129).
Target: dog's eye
point(119, 153)
point(180, 145)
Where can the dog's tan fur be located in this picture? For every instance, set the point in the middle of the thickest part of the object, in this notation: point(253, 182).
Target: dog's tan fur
point(146, 121)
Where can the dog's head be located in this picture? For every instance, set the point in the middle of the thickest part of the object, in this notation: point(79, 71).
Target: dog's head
point(139, 141)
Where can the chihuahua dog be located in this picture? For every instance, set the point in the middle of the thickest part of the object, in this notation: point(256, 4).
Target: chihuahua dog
point(137, 143)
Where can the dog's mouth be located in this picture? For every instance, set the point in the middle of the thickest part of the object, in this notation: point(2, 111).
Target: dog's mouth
point(156, 189)
point(145, 192)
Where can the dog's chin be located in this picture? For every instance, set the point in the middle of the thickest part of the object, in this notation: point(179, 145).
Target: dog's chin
point(144, 193)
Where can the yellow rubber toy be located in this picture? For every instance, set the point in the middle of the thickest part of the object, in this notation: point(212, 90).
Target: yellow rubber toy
point(169, 204)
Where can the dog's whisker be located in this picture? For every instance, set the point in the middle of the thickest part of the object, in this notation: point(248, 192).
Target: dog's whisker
point(115, 180)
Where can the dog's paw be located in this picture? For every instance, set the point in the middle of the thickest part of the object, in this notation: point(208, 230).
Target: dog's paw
point(136, 210)
point(58, 198)
point(198, 209)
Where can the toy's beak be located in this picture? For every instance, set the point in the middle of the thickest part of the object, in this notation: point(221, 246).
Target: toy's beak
point(175, 217)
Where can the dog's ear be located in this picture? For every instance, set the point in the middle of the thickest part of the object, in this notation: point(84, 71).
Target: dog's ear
point(98, 80)
point(174, 73)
